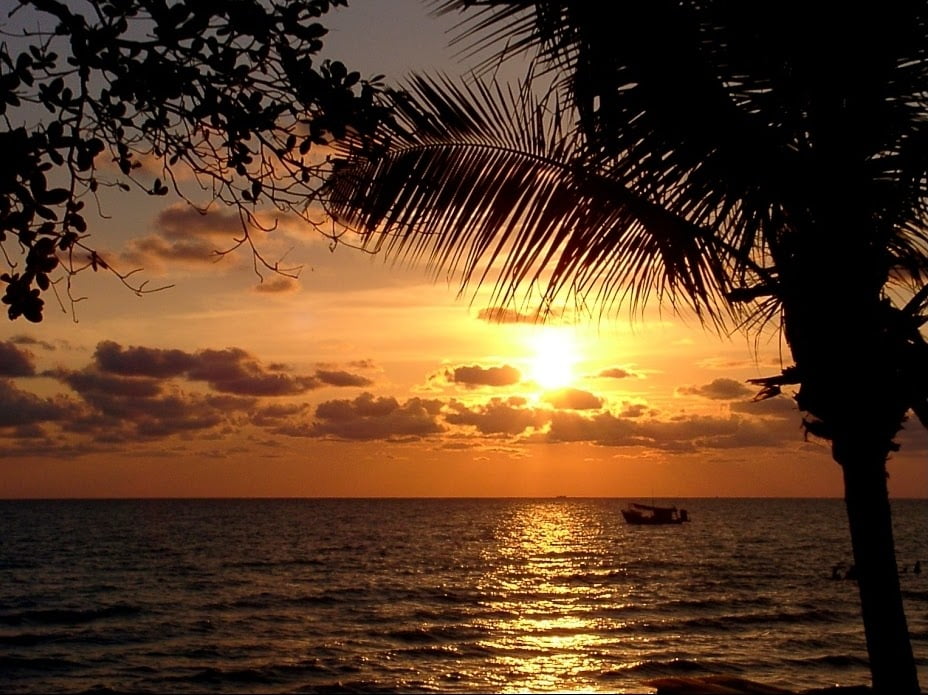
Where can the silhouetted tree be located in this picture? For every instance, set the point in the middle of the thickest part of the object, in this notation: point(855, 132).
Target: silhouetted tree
point(91, 90)
point(755, 161)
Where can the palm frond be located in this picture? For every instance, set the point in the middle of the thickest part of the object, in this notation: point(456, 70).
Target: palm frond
point(732, 114)
point(481, 179)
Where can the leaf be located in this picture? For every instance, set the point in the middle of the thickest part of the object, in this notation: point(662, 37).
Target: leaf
point(56, 196)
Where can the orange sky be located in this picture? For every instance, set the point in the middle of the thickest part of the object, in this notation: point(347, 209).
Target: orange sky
point(364, 379)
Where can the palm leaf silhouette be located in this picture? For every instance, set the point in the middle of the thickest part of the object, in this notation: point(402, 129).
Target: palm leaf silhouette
point(479, 178)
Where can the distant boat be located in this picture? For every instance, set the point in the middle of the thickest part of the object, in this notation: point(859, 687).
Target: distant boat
point(648, 514)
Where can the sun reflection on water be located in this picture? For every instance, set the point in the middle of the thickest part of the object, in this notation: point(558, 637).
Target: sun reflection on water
point(546, 637)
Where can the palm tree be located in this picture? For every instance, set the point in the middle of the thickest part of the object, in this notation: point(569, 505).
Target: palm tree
point(755, 162)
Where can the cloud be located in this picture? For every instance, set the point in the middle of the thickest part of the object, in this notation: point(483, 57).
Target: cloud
point(20, 408)
point(235, 371)
point(15, 362)
point(633, 410)
point(141, 361)
point(231, 370)
point(341, 378)
point(385, 418)
point(368, 418)
point(29, 340)
point(181, 221)
point(780, 406)
point(718, 389)
point(123, 409)
point(616, 373)
point(573, 399)
point(498, 416)
point(131, 394)
point(729, 364)
point(279, 284)
point(30, 431)
point(680, 434)
point(474, 375)
point(184, 236)
point(277, 413)
point(90, 384)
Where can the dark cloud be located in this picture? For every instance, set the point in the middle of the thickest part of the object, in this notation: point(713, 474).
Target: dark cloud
point(180, 222)
point(279, 284)
point(475, 375)
point(131, 394)
point(20, 408)
point(184, 236)
point(681, 434)
point(141, 361)
point(90, 383)
point(235, 371)
point(498, 416)
point(369, 418)
point(29, 340)
point(30, 431)
point(573, 399)
point(126, 408)
point(15, 362)
point(781, 406)
point(178, 414)
point(616, 373)
point(341, 378)
point(276, 413)
point(155, 252)
point(231, 403)
point(634, 410)
point(231, 370)
point(719, 389)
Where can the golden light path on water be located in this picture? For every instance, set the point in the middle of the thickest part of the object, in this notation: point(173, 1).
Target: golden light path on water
point(547, 638)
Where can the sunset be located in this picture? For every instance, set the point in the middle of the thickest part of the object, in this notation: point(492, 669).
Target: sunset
point(374, 429)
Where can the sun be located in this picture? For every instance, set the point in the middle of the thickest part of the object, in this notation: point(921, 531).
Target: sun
point(555, 354)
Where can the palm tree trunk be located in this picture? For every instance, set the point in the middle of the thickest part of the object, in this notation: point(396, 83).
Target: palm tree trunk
point(857, 401)
point(892, 663)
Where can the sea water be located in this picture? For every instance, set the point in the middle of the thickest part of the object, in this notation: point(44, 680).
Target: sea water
point(448, 595)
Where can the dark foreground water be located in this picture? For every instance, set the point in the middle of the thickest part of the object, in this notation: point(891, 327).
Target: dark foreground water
point(431, 595)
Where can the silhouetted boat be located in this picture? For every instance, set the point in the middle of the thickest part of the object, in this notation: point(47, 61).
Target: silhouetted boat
point(648, 514)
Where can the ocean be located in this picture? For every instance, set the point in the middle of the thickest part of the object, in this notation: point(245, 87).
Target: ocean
point(425, 595)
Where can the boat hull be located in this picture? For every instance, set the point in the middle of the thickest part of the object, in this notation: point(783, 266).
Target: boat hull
point(641, 520)
point(649, 515)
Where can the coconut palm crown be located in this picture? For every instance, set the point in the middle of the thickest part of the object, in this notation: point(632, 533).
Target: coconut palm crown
point(750, 161)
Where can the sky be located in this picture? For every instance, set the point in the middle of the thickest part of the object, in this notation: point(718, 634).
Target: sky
point(364, 378)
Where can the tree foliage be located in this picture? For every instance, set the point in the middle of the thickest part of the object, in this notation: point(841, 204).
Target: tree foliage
point(127, 94)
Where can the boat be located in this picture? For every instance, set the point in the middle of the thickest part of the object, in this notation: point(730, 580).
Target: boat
point(648, 514)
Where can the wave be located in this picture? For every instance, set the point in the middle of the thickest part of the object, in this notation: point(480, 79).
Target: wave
point(831, 661)
point(11, 664)
point(267, 674)
point(68, 616)
point(670, 667)
point(436, 634)
point(725, 622)
point(274, 564)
